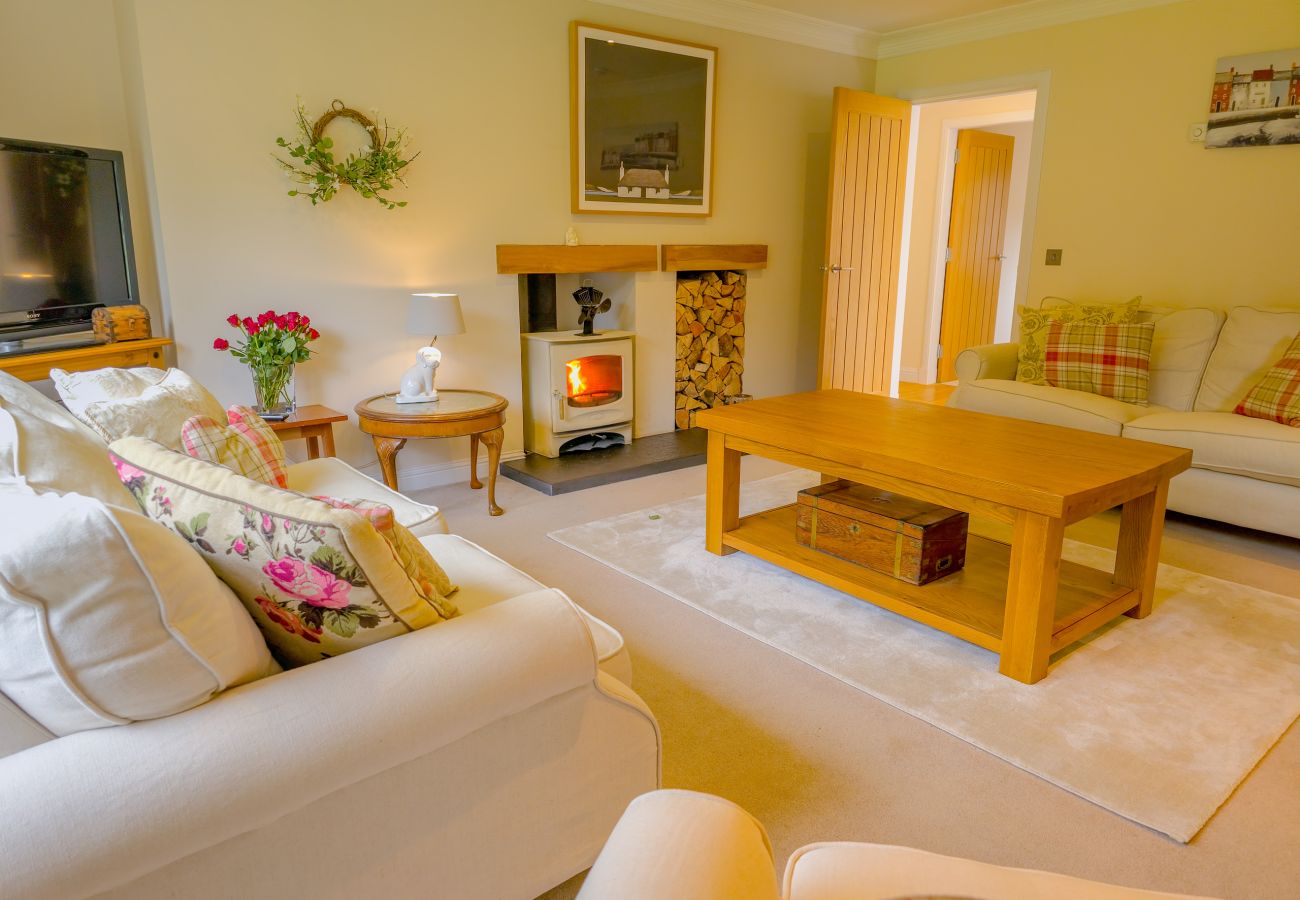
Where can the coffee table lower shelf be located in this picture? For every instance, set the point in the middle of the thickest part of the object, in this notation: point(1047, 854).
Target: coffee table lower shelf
point(968, 605)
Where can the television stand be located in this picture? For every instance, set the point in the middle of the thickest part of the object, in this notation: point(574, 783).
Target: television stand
point(119, 354)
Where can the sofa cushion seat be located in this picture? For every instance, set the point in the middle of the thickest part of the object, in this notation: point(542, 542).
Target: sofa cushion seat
point(1228, 443)
point(485, 579)
point(332, 477)
point(1053, 405)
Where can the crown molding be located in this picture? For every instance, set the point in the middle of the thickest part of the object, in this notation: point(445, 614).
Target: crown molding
point(762, 20)
point(1009, 20)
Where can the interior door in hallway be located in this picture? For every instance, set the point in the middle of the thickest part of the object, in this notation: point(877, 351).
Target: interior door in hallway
point(864, 240)
point(980, 188)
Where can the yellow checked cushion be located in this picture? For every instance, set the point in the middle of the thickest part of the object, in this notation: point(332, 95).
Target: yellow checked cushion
point(1035, 322)
point(246, 445)
point(1277, 395)
point(318, 581)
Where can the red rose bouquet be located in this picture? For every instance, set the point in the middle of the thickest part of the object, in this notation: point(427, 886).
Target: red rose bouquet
point(270, 346)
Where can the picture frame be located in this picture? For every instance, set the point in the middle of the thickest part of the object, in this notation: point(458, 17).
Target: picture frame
point(641, 112)
point(1255, 100)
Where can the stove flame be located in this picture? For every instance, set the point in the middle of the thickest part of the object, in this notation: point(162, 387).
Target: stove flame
point(577, 383)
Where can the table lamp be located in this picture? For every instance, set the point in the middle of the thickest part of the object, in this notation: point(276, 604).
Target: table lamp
point(433, 314)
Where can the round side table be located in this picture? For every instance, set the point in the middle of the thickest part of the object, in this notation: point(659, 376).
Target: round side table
point(479, 414)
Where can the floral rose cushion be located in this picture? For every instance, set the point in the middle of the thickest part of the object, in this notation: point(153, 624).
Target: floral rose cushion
point(1277, 395)
point(1035, 322)
point(245, 444)
point(318, 580)
point(413, 557)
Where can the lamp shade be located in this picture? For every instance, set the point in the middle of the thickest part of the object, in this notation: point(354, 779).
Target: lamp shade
point(434, 314)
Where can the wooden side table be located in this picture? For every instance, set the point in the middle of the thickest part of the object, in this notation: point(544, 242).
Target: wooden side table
point(478, 414)
point(313, 423)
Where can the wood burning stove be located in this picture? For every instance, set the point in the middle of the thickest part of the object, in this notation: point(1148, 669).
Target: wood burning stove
point(578, 386)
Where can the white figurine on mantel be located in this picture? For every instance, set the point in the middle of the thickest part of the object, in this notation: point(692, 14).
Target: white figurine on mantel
point(571, 237)
point(417, 382)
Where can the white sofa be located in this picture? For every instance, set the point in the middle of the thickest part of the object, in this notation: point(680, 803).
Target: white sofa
point(1244, 471)
point(680, 844)
point(486, 757)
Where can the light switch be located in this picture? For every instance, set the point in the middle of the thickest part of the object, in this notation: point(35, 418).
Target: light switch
point(1196, 133)
point(1054, 257)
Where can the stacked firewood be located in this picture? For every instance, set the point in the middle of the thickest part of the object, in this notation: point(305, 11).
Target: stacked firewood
point(710, 341)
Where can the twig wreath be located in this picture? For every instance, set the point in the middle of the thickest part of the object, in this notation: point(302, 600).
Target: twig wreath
point(369, 174)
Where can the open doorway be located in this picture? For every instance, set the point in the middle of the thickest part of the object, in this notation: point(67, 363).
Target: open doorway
point(972, 259)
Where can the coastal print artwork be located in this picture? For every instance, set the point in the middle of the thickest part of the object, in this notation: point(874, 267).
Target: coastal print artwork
point(1255, 100)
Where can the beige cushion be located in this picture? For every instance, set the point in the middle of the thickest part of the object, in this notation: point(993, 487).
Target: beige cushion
point(107, 617)
point(1250, 342)
point(486, 579)
point(850, 871)
point(1043, 403)
point(43, 445)
point(332, 477)
point(78, 390)
point(1225, 442)
point(319, 581)
point(1180, 349)
point(18, 731)
point(156, 413)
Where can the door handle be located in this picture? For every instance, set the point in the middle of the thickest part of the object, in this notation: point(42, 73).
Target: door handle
point(837, 268)
point(995, 256)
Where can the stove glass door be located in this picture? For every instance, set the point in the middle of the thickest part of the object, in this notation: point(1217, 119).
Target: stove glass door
point(593, 381)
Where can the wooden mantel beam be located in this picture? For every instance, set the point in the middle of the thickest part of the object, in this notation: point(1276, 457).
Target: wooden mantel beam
point(689, 257)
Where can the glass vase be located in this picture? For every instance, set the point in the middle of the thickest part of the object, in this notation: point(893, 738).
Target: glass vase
point(273, 390)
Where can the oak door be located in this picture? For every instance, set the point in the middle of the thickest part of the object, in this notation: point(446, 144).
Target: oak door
point(864, 240)
point(980, 188)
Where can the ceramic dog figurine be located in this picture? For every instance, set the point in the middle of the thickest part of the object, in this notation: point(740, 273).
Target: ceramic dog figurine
point(417, 381)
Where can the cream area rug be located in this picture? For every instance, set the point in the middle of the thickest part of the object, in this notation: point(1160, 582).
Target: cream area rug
point(1157, 720)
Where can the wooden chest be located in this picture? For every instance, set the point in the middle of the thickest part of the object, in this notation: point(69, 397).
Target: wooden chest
point(120, 323)
point(912, 540)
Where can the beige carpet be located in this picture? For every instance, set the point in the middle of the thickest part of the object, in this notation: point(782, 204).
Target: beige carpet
point(1156, 720)
point(816, 759)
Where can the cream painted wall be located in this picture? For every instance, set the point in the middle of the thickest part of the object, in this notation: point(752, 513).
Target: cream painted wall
point(62, 76)
point(483, 89)
point(931, 191)
point(1137, 208)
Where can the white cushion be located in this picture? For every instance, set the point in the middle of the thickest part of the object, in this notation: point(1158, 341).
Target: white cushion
point(107, 617)
point(1250, 342)
point(156, 413)
point(78, 390)
point(1044, 403)
point(850, 871)
point(1225, 442)
point(486, 579)
point(1180, 349)
point(43, 445)
point(332, 477)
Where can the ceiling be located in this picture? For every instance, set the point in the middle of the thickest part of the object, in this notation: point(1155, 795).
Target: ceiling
point(883, 16)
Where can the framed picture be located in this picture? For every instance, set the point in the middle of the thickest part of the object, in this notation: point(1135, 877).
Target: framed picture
point(641, 112)
point(1255, 100)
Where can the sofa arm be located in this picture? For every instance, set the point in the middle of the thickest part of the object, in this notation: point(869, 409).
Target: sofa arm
point(988, 361)
point(96, 809)
point(672, 844)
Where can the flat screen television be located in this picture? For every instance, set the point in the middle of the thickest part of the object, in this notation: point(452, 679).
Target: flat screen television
point(65, 242)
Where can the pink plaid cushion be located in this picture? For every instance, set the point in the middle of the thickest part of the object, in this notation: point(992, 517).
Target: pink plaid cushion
point(1110, 360)
point(1277, 396)
point(246, 445)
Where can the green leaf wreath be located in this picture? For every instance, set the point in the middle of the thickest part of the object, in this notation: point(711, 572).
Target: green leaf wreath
point(370, 174)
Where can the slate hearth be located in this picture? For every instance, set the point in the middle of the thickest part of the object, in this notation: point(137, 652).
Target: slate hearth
point(578, 471)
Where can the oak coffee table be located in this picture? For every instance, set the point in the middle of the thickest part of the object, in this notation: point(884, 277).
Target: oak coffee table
point(479, 414)
point(1021, 601)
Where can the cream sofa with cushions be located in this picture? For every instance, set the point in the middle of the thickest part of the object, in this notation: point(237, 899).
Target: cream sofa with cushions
point(1244, 471)
point(488, 756)
point(680, 844)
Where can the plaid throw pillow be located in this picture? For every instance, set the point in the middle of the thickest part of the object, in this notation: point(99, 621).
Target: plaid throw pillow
point(1035, 322)
point(1110, 360)
point(246, 445)
point(1277, 396)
